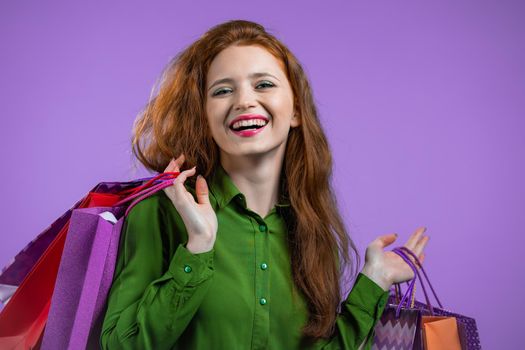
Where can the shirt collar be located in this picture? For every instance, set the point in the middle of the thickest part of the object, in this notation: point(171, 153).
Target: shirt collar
point(224, 190)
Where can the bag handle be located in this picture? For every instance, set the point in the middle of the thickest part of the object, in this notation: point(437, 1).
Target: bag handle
point(411, 288)
point(404, 253)
point(151, 180)
point(406, 250)
point(398, 294)
point(146, 191)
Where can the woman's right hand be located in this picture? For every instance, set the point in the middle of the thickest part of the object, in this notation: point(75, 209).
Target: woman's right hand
point(198, 217)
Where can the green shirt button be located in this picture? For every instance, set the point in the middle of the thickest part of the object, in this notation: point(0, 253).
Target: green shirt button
point(262, 301)
point(264, 266)
point(187, 268)
point(262, 228)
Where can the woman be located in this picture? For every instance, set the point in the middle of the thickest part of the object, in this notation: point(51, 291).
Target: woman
point(254, 259)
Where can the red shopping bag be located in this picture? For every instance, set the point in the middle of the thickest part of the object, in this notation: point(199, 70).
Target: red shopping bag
point(23, 318)
point(12, 275)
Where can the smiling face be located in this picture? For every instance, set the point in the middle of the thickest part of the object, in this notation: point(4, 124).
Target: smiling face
point(248, 82)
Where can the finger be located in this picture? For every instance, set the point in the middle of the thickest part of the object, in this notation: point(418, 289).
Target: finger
point(420, 246)
point(179, 162)
point(178, 183)
point(184, 175)
point(175, 164)
point(201, 188)
point(420, 258)
point(414, 238)
point(385, 240)
point(169, 167)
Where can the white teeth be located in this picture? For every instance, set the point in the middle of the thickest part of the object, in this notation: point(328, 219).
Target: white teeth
point(249, 122)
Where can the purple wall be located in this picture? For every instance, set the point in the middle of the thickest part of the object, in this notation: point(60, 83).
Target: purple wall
point(423, 105)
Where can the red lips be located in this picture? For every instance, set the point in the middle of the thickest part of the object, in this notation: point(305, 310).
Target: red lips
point(248, 117)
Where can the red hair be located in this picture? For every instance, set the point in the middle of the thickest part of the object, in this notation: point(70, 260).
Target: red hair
point(174, 122)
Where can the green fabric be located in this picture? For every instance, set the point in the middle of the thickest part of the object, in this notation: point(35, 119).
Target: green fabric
point(239, 295)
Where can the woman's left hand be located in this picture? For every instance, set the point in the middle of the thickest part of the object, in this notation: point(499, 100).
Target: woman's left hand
point(386, 267)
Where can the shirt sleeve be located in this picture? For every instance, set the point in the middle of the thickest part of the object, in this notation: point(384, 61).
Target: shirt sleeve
point(153, 296)
point(359, 314)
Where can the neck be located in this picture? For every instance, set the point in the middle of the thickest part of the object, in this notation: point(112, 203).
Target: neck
point(257, 177)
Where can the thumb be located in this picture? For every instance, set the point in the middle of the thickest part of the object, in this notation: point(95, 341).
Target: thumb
point(201, 189)
point(386, 240)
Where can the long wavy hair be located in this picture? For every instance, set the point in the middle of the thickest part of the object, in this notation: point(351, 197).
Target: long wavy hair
point(174, 122)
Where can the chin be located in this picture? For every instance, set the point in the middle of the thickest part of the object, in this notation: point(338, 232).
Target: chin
point(241, 151)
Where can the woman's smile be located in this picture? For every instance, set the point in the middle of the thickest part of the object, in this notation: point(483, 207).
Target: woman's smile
point(248, 125)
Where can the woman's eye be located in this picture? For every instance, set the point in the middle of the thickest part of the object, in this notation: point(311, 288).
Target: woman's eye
point(219, 92)
point(226, 90)
point(267, 83)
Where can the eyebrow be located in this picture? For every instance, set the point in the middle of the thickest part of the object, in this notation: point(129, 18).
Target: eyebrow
point(253, 75)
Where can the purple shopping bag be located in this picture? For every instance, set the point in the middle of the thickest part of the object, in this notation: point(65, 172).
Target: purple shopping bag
point(401, 325)
point(12, 275)
point(398, 331)
point(86, 272)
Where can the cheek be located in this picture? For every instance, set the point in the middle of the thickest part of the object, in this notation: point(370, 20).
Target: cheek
point(280, 102)
point(280, 110)
point(213, 115)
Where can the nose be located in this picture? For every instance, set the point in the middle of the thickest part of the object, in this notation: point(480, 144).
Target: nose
point(245, 99)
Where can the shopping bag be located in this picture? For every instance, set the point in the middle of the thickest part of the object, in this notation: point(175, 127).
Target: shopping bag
point(414, 325)
point(19, 267)
point(86, 272)
point(467, 327)
point(28, 288)
point(12, 275)
point(397, 331)
point(24, 316)
point(440, 332)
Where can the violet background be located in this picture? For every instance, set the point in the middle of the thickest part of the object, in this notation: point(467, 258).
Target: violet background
point(422, 103)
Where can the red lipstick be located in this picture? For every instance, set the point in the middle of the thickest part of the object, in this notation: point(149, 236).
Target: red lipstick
point(247, 117)
point(251, 132)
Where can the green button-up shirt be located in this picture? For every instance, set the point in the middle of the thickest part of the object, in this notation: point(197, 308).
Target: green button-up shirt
point(239, 295)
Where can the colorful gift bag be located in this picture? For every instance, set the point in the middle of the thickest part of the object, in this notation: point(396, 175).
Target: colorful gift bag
point(12, 275)
point(27, 283)
point(413, 325)
point(440, 332)
point(467, 327)
point(86, 273)
point(397, 331)
point(23, 318)
point(19, 267)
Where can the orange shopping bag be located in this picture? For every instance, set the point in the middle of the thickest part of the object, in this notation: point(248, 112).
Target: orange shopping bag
point(440, 332)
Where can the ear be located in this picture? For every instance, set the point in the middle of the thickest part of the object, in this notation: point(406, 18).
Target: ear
point(295, 120)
